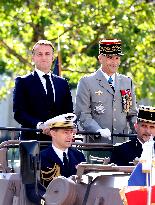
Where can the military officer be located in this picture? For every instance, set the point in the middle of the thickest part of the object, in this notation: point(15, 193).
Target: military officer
point(105, 100)
point(60, 158)
point(125, 153)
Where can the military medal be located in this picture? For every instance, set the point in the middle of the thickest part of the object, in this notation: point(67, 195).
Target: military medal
point(99, 108)
point(126, 100)
point(99, 92)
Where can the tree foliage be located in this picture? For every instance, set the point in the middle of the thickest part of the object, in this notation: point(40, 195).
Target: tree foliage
point(80, 24)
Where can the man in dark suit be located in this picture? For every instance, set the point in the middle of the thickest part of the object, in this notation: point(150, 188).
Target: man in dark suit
point(125, 153)
point(59, 159)
point(40, 95)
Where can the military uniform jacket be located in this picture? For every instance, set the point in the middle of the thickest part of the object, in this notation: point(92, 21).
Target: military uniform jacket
point(98, 106)
point(52, 166)
point(126, 152)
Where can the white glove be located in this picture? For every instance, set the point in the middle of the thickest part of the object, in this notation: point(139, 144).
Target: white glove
point(105, 133)
point(44, 127)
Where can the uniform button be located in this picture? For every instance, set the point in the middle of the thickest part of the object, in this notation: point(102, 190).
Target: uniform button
point(114, 109)
point(114, 119)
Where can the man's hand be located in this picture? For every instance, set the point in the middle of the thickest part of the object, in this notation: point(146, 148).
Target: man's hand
point(45, 129)
point(105, 133)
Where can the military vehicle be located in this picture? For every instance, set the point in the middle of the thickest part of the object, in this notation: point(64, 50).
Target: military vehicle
point(96, 183)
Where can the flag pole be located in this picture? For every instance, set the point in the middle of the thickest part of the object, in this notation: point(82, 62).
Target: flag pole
point(59, 57)
point(57, 64)
point(149, 181)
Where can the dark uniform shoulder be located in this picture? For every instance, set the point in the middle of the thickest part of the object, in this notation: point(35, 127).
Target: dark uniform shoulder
point(45, 151)
point(124, 144)
point(124, 78)
point(77, 153)
point(75, 150)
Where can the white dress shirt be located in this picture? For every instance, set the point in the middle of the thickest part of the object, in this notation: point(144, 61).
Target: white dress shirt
point(43, 81)
point(60, 152)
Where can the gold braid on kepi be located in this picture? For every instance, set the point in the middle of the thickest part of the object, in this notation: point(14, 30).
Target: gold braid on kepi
point(110, 47)
point(146, 114)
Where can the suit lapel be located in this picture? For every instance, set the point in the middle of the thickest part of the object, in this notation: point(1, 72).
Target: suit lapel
point(139, 148)
point(72, 160)
point(37, 82)
point(103, 82)
point(52, 156)
point(56, 88)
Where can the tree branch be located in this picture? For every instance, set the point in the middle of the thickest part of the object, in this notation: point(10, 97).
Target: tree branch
point(14, 53)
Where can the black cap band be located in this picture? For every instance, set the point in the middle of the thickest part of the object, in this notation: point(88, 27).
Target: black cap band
point(146, 114)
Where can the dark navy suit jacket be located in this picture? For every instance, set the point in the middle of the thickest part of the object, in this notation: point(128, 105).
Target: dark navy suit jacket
point(126, 152)
point(52, 166)
point(30, 103)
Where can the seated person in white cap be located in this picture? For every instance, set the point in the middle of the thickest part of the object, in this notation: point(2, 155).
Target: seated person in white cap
point(60, 158)
point(126, 152)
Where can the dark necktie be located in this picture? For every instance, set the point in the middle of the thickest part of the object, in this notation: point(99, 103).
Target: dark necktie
point(110, 80)
point(66, 171)
point(49, 89)
point(65, 160)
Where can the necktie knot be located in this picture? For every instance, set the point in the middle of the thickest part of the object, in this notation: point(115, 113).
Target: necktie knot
point(110, 80)
point(64, 154)
point(46, 76)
